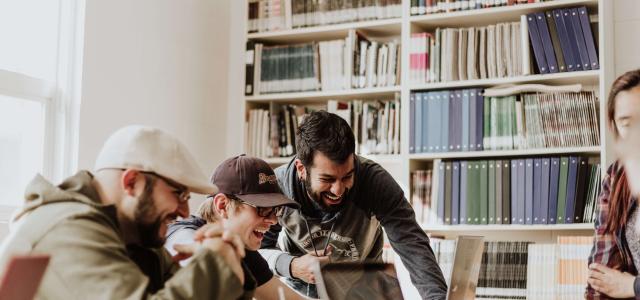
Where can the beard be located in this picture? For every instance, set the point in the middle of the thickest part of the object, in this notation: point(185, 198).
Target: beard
point(148, 231)
point(318, 197)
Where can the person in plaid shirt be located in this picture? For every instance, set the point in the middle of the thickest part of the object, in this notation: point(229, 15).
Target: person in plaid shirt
point(616, 249)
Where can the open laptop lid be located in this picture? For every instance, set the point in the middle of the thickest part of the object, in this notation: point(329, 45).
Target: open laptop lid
point(353, 281)
point(466, 267)
point(21, 278)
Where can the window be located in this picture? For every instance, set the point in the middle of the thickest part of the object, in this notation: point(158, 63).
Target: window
point(40, 63)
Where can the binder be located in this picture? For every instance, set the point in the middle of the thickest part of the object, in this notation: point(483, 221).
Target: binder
point(544, 190)
point(536, 43)
point(491, 187)
point(573, 40)
point(547, 45)
point(462, 219)
point(455, 193)
point(506, 192)
point(563, 36)
point(579, 35)
point(413, 122)
point(588, 38)
point(555, 39)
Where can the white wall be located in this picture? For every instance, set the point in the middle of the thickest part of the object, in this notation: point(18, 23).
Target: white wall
point(627, 41)
point(156, 62)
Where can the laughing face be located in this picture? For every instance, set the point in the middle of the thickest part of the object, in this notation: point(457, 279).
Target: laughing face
point(157, 207)
point(245, 222)
point(327, 182)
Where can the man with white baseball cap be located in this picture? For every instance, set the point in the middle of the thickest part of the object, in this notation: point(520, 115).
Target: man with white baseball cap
point(104, 231)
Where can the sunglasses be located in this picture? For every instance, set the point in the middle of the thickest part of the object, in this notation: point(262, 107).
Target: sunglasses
point(264, 212)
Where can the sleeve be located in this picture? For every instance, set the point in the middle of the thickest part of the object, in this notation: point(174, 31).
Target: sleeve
point(259, 267)
point(89, 261)
point(605, 250)
point(279, 261)
point(405, 235)
point(182, 236)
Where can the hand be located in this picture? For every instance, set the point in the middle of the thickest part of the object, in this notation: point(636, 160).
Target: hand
point(302, 267)
point(226, 244)
point(611, 282)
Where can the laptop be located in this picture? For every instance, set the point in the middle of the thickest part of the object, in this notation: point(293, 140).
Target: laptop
point(466, 267)
point(21, 278)
point(357, 281)
point(373, 281)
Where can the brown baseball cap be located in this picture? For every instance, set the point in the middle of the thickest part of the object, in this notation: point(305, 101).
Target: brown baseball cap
point(251, 180)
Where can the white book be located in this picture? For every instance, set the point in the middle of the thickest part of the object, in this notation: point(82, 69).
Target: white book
point(462, 53)
point(396, 128)
point(524, 46)
point(506, 48)
point(437, 56)
point(362, 79)
point(482, 52)
point(383, 53)
point(371, 64)
point(516, 52)
point(500, 52)
point(391, 66)
point(492, 70)
point(472, 54)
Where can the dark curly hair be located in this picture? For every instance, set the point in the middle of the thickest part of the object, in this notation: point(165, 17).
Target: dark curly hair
point(327, 133)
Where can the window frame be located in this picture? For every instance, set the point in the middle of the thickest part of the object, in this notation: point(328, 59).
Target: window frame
point(60, 99)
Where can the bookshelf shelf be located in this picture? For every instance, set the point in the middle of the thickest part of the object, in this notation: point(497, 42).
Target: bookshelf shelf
point(506, 227)
point(384, 27)
point(376, 92)
point(504, 153)
point(486, 16)
point(586, 78)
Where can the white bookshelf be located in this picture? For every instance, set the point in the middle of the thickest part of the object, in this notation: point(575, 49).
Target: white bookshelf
point(401, 166)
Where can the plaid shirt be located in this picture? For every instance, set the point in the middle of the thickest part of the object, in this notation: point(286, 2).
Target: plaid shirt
point(609, 249)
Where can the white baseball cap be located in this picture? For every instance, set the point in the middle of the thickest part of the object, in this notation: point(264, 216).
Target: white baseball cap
point(149, 149)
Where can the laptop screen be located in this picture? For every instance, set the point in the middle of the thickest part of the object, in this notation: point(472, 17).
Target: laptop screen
point(366, 281)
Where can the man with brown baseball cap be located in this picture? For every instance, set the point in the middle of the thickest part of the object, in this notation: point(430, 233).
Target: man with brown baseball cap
point(248, 202)
point(104, 230)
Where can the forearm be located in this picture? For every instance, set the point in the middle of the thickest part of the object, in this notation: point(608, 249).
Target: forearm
point(279, 261)
point(207, 276)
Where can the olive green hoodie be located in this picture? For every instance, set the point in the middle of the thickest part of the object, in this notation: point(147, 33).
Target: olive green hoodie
point(89, 258)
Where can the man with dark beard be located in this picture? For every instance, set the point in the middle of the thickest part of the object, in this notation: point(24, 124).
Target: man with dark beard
point(104, 230)
point(345, 201)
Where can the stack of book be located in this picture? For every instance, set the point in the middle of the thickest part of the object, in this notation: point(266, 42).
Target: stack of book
point(353, 62)
point(421, 7)
point(465, 120)
point(559, 271)
point(503, 273)
point(521, 270)
point(270, 15)
point(453, 54)
point(562, 40)
point(555, 190)
point(375, 124)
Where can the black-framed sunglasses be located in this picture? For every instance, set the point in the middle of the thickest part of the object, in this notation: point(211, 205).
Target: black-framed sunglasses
point(264, 212)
